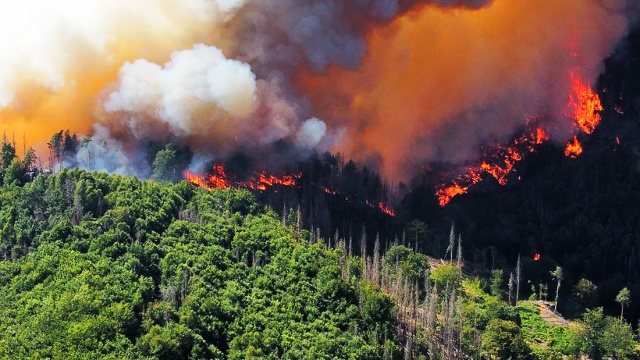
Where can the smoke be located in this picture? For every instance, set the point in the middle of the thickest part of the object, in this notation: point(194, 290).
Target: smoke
point(56, 57)
point(402, 82)
point(196, 81)
point(437, 85)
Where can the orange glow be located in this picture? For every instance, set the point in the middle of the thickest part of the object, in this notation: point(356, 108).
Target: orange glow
point(219, 180)
point(536, 257)
point(435, 75)
point(574, 148)
point(584, 105)
point(328, 191)
point(460, 186)
point(261, 182)
point(499, 163)
point(386, 209)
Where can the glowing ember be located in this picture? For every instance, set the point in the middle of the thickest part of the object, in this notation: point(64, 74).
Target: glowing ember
point(574, 148)
point(194, 179)
point(584, 104)
point(536, 257)
point(386, 209)
point(328, 191)
point(583, 107)
point(500, 162)
point(219, 180)
point(261, 182)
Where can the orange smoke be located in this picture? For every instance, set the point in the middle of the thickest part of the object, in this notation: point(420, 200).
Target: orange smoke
point(56, 60)
point(436, 84)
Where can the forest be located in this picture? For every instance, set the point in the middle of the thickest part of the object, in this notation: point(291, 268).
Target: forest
point(105, 266)
point(337, 264)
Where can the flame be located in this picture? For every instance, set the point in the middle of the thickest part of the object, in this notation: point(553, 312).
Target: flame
point(583, 108)
point(574, 148)
point(386, 209)
point(329, 191)
point(219, 180)
point(584, 104)
point(500, 162)
point(536, 257)
point(261, 182)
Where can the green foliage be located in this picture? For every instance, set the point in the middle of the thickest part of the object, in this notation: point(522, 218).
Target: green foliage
point(14, 172)
point(558, 340)
point(623, 299)
point(104, 266)
point(605, 336)
point(584, 291)
point(165, 167)
point(503, 339)
point(401, 260)
point(446, 276)
point(7, 154)
point(496, 282)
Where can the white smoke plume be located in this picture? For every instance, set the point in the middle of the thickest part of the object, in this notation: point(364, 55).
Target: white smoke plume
point(197, 83)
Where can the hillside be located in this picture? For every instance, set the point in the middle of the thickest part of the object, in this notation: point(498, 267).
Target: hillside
point(103, 266)
point(577, 213)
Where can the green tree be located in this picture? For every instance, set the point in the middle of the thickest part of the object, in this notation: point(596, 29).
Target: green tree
point(584, 291)
point(164, 165)
point(605, 336)
point(496, 282)
point(14, 172)
point(503, 339)
point(446, 276)
point(8, 154)
point(29, 159)
point(623, 299)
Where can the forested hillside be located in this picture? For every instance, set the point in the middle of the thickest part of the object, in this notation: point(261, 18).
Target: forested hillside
point(578, 213)
point(104, 266)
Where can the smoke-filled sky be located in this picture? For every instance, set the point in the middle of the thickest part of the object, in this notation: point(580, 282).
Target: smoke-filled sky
point(394, 82)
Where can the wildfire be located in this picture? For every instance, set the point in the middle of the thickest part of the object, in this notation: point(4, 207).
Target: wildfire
point(501, 160)
point(219, 180)
point(536, 257)
point(265, 181)
point(261, 182)
point(574, 148)
point(386, 209)
point(584, 104)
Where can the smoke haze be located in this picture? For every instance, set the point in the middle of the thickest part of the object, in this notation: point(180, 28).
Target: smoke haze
point(394, 82)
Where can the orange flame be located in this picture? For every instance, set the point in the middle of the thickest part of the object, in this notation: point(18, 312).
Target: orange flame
point(501, 163)
point(536, 257)
point(574, 148)
point(386, 209)
point(261, 182)
point(219, 180)
point(584, 105)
